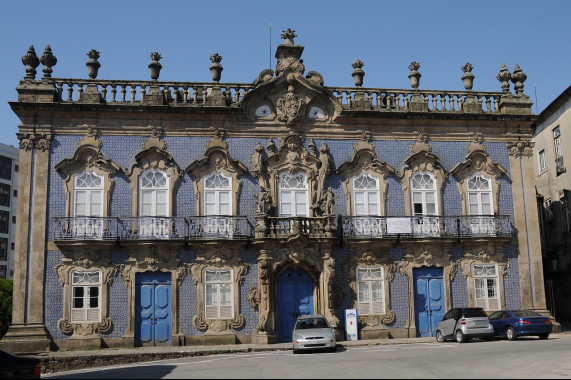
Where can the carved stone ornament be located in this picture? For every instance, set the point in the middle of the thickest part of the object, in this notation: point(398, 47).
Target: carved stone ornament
point(289, 106)
point(475, 142)
point(216, 159)
point(422, 160)
point(257, 160)
point(221, 259)
point(84, 259)
point(29, 141)
point(430, 255)
point(520, 148)
point(371, 258)
point(480, 163)
point(297, 257)
point(88, 157)
point(364, 161)
point(31, 61)
point(253, 298)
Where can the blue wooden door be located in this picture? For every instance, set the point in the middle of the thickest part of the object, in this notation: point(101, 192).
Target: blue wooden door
point(429, 305)
point(153, 320)
point(295, 298)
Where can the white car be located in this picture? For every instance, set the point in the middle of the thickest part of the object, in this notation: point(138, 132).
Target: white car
point(313, 332)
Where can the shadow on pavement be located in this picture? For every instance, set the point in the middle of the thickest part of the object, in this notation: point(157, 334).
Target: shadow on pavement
point(135, 372)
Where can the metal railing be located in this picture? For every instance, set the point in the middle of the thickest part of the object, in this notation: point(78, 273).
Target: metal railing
point(219, 226)
point(153, 228)
point(86, 228)
point(426, 226)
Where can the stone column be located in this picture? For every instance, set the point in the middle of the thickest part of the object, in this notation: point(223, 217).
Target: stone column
point(265, 333)
point(27, 332)
point(527, 225)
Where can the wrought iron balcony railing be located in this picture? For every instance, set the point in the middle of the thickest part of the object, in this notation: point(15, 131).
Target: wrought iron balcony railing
point(219, 227)
point(86, 228)
point(362, 227)
point(317, 227)
point(153, 228)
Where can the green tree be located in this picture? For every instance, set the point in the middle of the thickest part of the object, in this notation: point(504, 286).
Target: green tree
point(6, 287)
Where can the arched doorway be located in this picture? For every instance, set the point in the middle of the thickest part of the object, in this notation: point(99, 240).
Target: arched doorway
point(294, 298)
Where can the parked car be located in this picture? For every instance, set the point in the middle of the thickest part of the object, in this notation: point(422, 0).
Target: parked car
point(313, 332)
point(514, 323)
point(18, 367)
point(463, 324)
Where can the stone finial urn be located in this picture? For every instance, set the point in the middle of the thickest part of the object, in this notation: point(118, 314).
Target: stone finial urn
point(518, 77)
point(48, 60)
point(93, 64)
point(31, 61)
point(216, 68)
point(155, 66)
point(358, 74)
point(288, 36)
point(468, 77)
point(414, 75)
point(504, 77)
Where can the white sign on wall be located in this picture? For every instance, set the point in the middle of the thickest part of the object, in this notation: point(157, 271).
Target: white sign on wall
point(351, 325)
point(399, 226)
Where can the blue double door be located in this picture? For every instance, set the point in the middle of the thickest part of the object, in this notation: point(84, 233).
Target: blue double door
point(153, 318)
point(429, 304)
point(295, 298)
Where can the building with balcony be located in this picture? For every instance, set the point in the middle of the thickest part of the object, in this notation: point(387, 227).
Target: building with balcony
point(8, 203)
point(553, 184)
point(181, 213)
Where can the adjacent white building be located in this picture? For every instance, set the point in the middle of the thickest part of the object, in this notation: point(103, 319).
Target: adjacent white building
point(8, 201)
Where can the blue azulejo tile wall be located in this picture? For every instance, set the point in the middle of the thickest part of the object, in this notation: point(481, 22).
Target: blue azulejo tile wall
point(511, 280)
point(53, 296)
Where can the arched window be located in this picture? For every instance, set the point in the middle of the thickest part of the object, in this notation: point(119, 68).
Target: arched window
point(293, 195)
point(480, 196)
point(217, 195)
point(88, 195)
point(366, 195)
point(423, 194)
point(153, 187)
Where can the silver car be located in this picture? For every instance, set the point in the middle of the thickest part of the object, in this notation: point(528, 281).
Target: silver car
point(313, 332)
point(463, 324)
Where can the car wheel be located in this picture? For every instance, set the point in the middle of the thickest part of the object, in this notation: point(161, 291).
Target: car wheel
point(460, 338)
point(543, 336)
point(510, 333)
point(440, 337)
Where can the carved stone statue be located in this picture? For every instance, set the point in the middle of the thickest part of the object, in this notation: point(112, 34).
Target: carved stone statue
point(328, 202)
point(263, 201)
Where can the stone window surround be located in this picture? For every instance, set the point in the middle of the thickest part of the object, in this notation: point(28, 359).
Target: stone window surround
point(479, 255)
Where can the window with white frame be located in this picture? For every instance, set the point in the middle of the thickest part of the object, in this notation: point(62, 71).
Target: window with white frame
point(219, 298)
point(87, 205)
point(293, 195)
point(153, 189)
point(85, 296)
point(542, 161)
point(217, 195)
point(557, 142)
point(370, 290)
point(486, 286)
point(480, 195)
point(88, 195)
point(423, 194)
point(366, 195)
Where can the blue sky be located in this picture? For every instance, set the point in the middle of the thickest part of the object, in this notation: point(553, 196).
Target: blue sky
point(385, 35)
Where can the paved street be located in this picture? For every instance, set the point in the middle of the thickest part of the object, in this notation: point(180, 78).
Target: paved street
point(524, 358)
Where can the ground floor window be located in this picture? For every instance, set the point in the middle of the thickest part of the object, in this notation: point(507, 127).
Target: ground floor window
point(486, 286)
point(85, 296)
point(218, 293)
point(370, 291)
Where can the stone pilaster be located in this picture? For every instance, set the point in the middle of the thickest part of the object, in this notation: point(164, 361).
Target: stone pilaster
point(27, 332)
point(527, 224)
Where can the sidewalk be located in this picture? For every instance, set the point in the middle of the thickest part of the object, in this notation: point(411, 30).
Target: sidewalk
point(62, 360)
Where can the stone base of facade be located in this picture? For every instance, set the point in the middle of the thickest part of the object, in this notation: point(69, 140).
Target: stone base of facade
point(220, 338)
point(264, 338)
point(81, 342)
point(26, 339)
point(374, 334)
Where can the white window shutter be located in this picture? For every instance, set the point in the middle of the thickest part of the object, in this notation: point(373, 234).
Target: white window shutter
point(364, 308)
point(211, 312)
point(93, 315)
point(378, 308)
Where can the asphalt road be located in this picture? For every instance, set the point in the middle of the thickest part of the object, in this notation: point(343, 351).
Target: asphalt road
point(524, 358)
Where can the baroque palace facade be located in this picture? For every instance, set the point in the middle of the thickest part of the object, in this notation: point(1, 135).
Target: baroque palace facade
point(178, 213)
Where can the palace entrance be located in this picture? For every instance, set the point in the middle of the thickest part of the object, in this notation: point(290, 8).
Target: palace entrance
point(294, 298)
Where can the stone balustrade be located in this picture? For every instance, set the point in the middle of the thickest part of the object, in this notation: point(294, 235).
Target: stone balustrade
point(134, 92)
point(317, 227)
point(395, 100)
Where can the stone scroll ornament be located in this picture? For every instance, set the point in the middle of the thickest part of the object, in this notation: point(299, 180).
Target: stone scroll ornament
point(288, 107)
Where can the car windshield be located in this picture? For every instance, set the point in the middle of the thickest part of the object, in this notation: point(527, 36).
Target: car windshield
point(311, 323)
point(475, 313)
point(525, 313)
